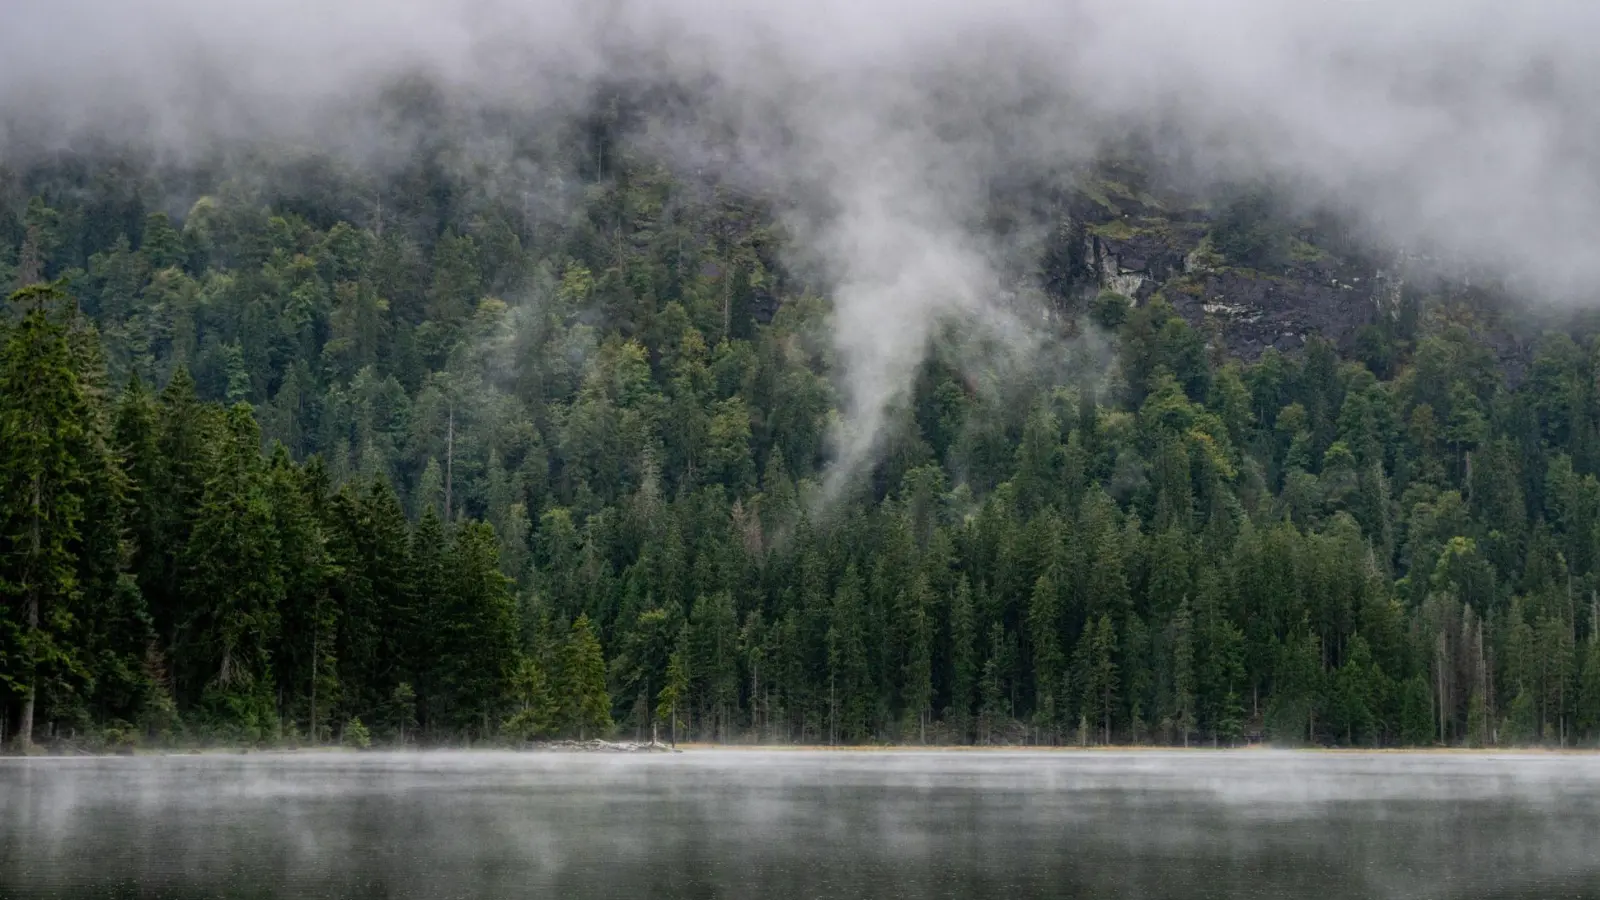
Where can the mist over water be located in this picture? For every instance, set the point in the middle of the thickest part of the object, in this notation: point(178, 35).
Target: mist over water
point(802, 825)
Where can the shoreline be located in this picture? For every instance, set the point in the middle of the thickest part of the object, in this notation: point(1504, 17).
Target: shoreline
point(1133, 749)
point(622, 749)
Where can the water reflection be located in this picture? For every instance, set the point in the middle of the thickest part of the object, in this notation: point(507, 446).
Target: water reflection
point(803, 825)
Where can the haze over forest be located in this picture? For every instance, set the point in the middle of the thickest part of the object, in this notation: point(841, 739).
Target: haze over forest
point(1064, 372)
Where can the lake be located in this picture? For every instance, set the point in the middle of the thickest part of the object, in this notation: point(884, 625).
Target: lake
point(793, 824)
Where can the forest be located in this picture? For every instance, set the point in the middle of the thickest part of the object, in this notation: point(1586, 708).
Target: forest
point(322, 457)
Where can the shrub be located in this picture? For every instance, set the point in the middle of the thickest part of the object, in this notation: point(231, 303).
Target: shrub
point(356, 735)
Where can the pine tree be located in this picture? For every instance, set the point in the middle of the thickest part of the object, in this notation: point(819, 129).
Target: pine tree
point(1557, 670)
point(715, 663)
point(45, 470)
point(1049, 663)
point(582, 686)
point(1183, 671)
point(1588, 706)
point(429, 579)
point(847, 672)
point(1297, 690)
point(402, 711)
point(992, 709)
point(674, 690)
point(917, 685)
point(640, 666)
point(1357, 693)
point(964, 666)
point(304, 657)
point(1416, 713)
point(231, 585)
point(172, 484)
point(477, 636)
point(114, 623)
point(1100, 678)
point(535, 706)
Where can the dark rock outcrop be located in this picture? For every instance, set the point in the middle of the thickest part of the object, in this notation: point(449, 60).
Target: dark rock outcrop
point(1250, 311)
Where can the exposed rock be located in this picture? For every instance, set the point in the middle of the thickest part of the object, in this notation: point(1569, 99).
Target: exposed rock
point(1252, 311)
point(1156, 252)
point(1142, 241)
point(1126, 283)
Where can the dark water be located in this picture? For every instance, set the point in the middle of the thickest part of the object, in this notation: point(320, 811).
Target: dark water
point(803, 825)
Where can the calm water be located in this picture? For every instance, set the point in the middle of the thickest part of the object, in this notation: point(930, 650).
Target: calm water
point(802, 825)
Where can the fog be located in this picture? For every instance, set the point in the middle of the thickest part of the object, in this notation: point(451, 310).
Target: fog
point(1456, 130)
point(803, 824)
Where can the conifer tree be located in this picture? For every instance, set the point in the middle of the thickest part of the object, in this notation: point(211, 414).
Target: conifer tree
point(674, 691)
point(45, 471)
point(964, 665)
point(231, 586)
point(582, 687)
point(476, 636)
point(429, 580)
point(917, 684)
point(535, 707)
point(1097, 652)
point(715, 660)
point(847, 673)
point(1183, 671)
point(1049, 663)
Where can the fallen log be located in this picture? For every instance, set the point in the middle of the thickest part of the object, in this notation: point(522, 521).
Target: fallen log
point(599, 746)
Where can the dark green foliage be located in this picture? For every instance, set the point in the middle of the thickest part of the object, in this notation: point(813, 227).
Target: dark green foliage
point(47, 470)
point(1109, 310)
point(1251, 232)
point(450, 474)
point(585, 707)
point(535, 710)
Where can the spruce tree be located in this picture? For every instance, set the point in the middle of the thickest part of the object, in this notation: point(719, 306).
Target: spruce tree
point(674, 690)
point(1588, 706)
point(429, 580)
point(46, 464)
point(534, 705)
point(964, 665)
point(585, 701)
point(1183, 671)
point(231, 585)
point(917, 679)
point(1049, 663)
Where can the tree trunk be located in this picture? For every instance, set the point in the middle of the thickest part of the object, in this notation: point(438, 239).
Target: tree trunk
point(449, 460)
point(314, 651)
point(1108, 718)
point(24, 738)
point(1439, 681)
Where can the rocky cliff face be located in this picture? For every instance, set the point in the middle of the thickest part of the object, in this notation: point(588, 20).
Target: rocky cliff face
point(1142, 246)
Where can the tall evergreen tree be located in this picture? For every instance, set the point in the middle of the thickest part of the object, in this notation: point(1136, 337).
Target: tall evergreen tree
point(582, 686)
point(46, 467)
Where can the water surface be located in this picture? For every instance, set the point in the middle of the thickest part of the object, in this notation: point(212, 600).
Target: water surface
point(744, 824)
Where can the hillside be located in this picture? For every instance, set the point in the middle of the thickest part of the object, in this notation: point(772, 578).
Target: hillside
point(292, 446)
